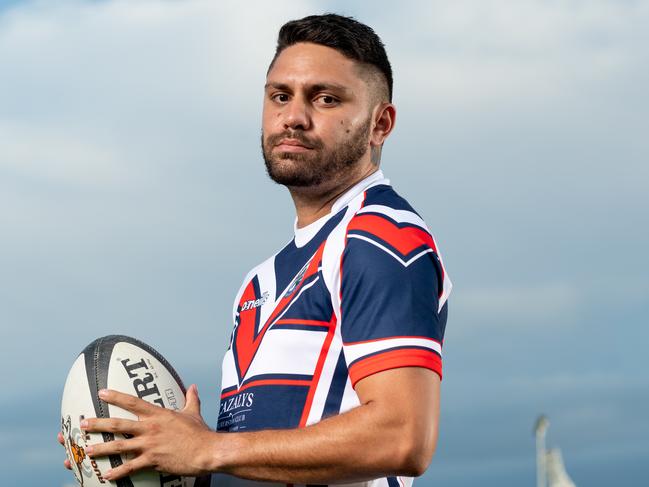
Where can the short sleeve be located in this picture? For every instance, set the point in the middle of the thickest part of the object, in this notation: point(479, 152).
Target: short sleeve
point(391, 284)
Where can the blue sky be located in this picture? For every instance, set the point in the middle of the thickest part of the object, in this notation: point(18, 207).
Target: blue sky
point(133, 200)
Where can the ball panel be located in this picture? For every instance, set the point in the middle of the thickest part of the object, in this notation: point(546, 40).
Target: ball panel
point(140, 373)
point(136, 371)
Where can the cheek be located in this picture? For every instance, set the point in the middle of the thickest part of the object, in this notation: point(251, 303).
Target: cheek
point(269, 121)
point(352, 126)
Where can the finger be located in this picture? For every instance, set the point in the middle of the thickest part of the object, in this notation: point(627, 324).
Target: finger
point(67, 464)
point(111, 425)
point(116, 447)
point(125, 401)
point(126, 469)
point(60, 438)
point(192, 401)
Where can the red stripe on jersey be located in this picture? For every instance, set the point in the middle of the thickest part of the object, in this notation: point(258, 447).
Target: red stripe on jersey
point(246, 343)
point(404, 357)
point(318, 371)
point(405, 239)
point(290, 321)
point(390, 338)
point(267, 382)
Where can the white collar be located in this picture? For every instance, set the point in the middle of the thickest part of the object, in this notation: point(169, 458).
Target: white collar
point(305, 234)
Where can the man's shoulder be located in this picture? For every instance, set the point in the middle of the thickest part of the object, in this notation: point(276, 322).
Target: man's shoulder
point(386, 215)
point(384, 195)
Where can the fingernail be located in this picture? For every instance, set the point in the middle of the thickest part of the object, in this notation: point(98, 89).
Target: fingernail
point(84, 424)
point(89, 450)
point(103, 393)
point(108, 474)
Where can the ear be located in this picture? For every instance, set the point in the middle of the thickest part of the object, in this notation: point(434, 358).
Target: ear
point(384, 117)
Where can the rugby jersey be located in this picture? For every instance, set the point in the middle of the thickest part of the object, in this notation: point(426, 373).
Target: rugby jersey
point(361, 290)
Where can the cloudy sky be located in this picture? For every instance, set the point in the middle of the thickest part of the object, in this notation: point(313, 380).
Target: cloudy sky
point(133, 200)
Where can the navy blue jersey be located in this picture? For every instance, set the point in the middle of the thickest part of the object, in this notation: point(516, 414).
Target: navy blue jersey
point(359, 291)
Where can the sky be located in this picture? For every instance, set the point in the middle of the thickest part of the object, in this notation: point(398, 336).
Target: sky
point(133, 200)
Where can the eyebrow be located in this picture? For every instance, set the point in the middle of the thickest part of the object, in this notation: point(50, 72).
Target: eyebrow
point(311, 88)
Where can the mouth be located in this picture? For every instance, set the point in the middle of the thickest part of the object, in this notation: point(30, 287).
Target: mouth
point(292, 145)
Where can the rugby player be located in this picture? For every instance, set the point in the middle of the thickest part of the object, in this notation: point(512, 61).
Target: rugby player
point(333, 370)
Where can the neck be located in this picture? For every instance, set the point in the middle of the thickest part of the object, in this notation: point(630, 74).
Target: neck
point(315, 202)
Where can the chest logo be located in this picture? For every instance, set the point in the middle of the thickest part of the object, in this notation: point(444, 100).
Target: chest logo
point(248, 334)
point(296, 280)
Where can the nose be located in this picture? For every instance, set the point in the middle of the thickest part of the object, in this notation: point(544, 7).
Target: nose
point(296, 114)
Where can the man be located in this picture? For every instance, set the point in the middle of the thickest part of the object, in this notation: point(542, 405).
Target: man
point(334, 365)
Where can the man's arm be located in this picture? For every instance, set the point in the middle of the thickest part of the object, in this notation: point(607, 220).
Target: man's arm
point(392, 432)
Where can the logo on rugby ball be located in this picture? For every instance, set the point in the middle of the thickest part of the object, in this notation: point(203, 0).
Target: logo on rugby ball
point(76, 453)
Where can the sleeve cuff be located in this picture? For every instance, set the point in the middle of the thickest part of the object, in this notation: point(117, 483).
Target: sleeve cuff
point(394, 359)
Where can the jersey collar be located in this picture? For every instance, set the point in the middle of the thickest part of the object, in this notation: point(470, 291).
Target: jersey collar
point(305, 234)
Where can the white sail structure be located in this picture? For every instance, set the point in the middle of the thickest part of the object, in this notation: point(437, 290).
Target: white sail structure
point(540, 428)
point(550, 471)
point(556, 471)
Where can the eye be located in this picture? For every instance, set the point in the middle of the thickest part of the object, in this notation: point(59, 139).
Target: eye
point(326, 100)
point(280, 97)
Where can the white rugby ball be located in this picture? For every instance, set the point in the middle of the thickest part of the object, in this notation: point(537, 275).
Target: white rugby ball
point(127, 365)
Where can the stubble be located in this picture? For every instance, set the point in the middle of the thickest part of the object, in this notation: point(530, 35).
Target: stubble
point(319, 165)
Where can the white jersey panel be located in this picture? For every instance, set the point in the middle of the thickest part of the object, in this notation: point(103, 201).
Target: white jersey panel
point(287, 352)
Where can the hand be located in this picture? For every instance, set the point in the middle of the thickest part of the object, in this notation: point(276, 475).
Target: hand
point(169, 441)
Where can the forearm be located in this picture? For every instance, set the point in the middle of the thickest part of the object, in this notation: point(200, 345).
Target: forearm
point(385, 436)
point(358, 445)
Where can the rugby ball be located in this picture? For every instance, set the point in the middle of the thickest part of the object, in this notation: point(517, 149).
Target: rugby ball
point(127, 365)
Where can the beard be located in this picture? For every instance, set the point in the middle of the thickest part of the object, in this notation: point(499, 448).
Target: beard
point(317, 165)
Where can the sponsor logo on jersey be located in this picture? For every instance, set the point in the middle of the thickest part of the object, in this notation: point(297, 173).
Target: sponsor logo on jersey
point(238, 401)
point(233, 411)
point(254, 303)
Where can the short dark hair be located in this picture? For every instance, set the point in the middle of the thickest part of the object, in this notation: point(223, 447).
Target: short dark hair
point(346, 35)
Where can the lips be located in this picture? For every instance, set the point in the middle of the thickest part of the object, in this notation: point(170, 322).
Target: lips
point(292, 145)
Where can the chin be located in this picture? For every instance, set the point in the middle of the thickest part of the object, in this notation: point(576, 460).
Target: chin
point(292, 177)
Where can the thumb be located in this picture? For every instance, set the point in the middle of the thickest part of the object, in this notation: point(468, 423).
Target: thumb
point(192, 401)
